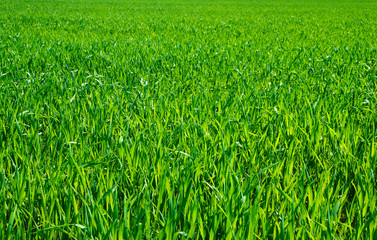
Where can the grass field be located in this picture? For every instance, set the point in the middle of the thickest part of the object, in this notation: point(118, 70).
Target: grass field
point(188, 119)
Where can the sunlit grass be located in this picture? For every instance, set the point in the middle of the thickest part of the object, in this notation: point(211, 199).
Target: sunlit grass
point(188, 120)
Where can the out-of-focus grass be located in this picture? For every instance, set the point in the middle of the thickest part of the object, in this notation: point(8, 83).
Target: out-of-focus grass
point(188, 119)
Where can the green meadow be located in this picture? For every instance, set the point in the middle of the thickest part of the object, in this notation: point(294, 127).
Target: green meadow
point(188, 119)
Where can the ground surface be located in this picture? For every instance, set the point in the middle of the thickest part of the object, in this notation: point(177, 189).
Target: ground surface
point(188, 119)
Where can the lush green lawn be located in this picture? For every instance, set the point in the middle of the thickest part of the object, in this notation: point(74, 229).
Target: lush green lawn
point(188, 119)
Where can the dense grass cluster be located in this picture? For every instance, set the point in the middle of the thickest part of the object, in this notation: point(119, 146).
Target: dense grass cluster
point(178, 119)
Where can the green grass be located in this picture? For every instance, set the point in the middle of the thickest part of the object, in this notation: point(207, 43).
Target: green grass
point(188, 119)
